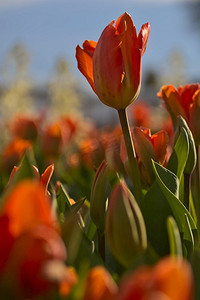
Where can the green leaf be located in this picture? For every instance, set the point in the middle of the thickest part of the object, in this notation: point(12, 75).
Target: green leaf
point(164, 177)
point(174, 237)
point(63, 203)
point(179, 155)
point(192, 157)
point(77, 205)
point(155, 211)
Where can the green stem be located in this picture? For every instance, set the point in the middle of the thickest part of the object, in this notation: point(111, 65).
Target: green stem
point(134, 171)
point(187, 190)
point(101, 244)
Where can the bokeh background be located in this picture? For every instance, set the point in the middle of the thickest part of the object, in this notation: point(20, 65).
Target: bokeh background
point(39, 37)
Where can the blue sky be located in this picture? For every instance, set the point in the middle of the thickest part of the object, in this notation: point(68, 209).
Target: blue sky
point(52, 29)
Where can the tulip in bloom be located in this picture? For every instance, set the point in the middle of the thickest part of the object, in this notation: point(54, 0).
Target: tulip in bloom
point(112, 66)
point(183, 101)
point(44, 179)
point(170, 279)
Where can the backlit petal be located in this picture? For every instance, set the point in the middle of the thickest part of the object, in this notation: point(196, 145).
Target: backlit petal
point(108, 67)
point(85, 65)
point(172, 100)
point(143, 37)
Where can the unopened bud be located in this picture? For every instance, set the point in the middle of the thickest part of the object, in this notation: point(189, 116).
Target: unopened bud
point(125, 228)
point(99, 196)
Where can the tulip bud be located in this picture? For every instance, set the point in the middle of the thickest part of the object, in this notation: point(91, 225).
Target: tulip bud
point(192, 158)
point(99, 196)
point(125, 228)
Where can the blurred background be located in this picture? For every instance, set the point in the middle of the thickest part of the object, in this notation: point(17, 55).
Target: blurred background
point(37, 51)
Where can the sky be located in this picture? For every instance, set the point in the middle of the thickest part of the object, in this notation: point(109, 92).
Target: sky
point(50, 29)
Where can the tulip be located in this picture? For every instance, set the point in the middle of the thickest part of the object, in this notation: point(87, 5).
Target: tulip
point(183, 101)
point(100, 285)
point(99, 196)
point(25, 128)
point(169, 279)
point(30, 239)
point(125, 228)
point(147, 147)
point(112, 66)
point(13, 153)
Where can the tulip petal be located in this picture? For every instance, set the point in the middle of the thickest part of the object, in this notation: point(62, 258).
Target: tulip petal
point(144, 149)
point(172, 100)
point(27, 206)
point(131, 56)
point(85, 65)
point(46, 176)
point(195, 117)
point(143, 37)
point(108, 67)
point(160, 141)
point(89, 47)
point(100, 285)
point(186, 93)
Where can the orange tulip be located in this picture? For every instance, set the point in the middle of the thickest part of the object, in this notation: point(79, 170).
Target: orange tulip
point(112, 66)
point(147, 147)
point(100, 285)
point(25, 127)
point(30, 240)
point(13, 152)
point(170, 279)
point(183, 101)
point(44, 179)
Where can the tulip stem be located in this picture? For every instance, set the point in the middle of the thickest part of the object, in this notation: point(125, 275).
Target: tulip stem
point(101, 244)
point(134, 171)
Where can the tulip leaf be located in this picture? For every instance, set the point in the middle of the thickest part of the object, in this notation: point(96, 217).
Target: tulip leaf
point(174, 238)
point(155, 212)
point(192, 157)
point(63, 203)
point(164, 177)
point(179, 155)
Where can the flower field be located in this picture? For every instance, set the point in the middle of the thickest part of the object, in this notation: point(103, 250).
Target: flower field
point(89, 213)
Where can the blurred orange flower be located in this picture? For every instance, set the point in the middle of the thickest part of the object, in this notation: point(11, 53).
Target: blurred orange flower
point(140, 114)
point(170, 279)
point(13, 153)
point(112, 66)
point(30, 239)
point(100, 285)
point(25, 127)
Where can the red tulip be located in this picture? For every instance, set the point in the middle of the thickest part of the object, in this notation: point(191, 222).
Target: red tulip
point(112, 66)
